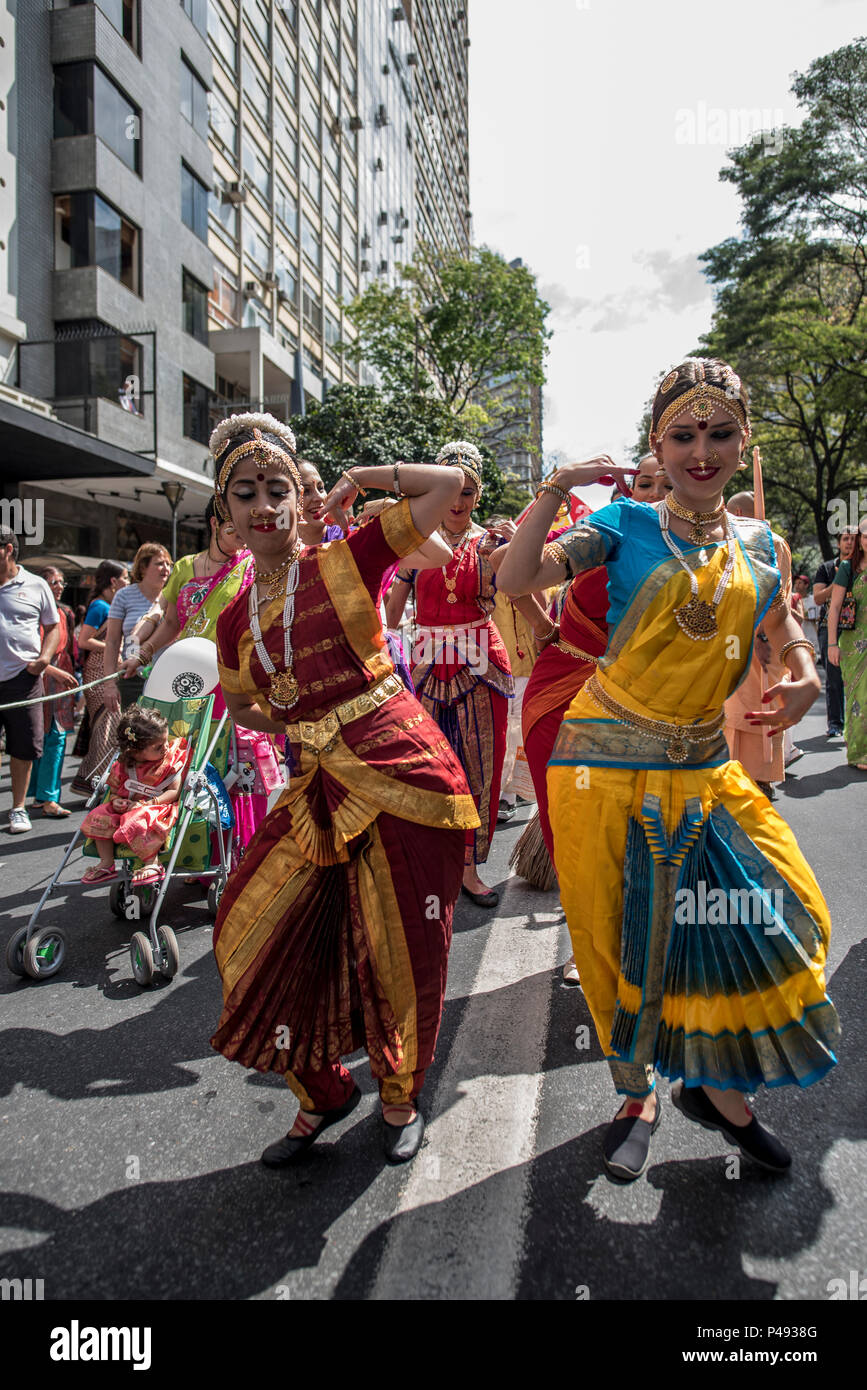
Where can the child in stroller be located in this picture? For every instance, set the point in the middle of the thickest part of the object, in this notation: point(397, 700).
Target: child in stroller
point(145, 782)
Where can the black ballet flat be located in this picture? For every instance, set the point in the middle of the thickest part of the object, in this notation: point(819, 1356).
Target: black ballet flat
point(489, 899)
point(626, 1147)
point(753, 1140)
point(402, 1142)
point(289, 1149)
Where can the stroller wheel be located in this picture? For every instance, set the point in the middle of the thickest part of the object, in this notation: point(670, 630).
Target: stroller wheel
point(215, 892)
point(142, 958)
point(117, 899)
point(147, 897)
point(44, 953)
point(15, 952)
point(168, 958)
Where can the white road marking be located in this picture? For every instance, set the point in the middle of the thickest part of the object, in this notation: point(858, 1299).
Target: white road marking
point(458, 1228)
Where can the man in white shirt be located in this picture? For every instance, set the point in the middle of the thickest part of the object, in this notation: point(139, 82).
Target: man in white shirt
point(29, 634)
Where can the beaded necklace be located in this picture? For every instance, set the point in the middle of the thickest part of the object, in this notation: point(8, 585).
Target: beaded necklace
point(283, 692)
point(457, 547)
point(696, 617)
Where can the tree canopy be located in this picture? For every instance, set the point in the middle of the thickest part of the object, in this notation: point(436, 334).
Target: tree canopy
point(791, 308)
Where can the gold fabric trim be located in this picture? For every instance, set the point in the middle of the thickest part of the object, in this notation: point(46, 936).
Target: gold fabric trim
point(355, 609)
point(390, 956)
point(400, 530)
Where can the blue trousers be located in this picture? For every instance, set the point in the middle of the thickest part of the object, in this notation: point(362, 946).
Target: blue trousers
point(45, 776)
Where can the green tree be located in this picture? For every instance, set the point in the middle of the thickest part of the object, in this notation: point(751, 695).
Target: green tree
point(368, 427)
point(791, 309)
point(456, 325)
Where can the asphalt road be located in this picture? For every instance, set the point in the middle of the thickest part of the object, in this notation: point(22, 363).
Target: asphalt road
point(129, 1149)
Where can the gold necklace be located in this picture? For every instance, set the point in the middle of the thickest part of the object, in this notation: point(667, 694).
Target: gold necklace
point(273, 577)
point(699, 520)
point(457, 547)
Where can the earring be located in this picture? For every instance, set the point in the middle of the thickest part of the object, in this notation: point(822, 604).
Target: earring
point(742, 465)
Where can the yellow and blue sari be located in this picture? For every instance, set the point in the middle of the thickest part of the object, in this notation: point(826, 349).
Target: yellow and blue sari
point(699, 930)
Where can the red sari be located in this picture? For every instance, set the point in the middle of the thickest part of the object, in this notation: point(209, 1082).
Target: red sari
point(462, 675)
point(559, 674)
point(333, 933)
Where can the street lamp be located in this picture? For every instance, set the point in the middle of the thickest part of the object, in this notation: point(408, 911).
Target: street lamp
point(173, 492)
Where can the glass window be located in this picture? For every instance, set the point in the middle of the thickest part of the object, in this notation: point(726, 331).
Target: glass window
point(97, 366)
point(285, 137)
point(257, 169)
point(89, 231)
point(350, 189)
point(198, 13)
point(86, 102)
point(286, 206)
point(311, 361)
point(332, 275)
point(257, 93)
point(288, 9)
point(331, 151)
point(310, 178)
point(350, 80)
point(194, 203)
point(287, 72)
point(194, 99)
point(287, 280)
point(331, 210)
point(332, 330)
point(194, 298)
point(310, 49)
point(223, 35)
point(312, 307)
point(350, 242)
point(223, 121)
point(257, 245)
point(123, 15)
point(223, 219)
point(256, 15)
point(330, 90)
point(224, 302)
point(196, 423)
point(310, 113)
point(329, 30)
point(310, 243)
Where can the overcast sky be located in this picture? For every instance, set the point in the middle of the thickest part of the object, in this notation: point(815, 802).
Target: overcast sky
point(597, 132)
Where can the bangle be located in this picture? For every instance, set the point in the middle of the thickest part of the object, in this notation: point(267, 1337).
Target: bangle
point(397, 491)
point(141, 658)
point(553, 488)
point(798, 642)
point(357, 486)
point(833, 644)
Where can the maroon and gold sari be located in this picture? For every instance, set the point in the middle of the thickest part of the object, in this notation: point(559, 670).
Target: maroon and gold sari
point(333, 933)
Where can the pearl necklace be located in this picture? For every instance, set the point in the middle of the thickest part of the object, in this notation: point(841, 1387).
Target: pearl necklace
point(457, 547)
point(283, 692)
point(696, 617)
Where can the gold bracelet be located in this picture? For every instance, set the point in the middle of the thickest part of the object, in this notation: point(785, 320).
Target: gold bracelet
point(553, 488)
point(798, 642)
point(553, 550)
point(357, 486)
point(397, 489)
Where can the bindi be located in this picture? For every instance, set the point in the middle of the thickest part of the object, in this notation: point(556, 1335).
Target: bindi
point(260, 477)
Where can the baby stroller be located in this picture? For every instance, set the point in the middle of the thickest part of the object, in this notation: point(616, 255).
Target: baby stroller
point(200, 842)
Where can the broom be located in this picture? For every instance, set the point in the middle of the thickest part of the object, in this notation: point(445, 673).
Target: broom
point(530, 858)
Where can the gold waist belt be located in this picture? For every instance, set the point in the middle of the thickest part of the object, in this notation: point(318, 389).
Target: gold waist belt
point(574, 651)
point(676, 737)
point(321, 734)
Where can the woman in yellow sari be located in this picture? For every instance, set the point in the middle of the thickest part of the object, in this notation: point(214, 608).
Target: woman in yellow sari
point(699, 931)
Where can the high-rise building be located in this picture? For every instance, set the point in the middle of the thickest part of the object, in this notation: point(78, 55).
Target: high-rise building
point(199, 184)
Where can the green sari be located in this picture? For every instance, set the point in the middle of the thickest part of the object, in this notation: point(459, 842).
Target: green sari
point(853, 666)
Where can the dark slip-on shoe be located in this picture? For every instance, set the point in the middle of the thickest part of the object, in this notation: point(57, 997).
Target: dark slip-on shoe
point(626, 1147)
point(290, 1147)
point(402, 1142)
point(753, 1140)
point(489, 899)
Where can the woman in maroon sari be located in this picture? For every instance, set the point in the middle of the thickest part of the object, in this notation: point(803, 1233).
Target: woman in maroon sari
point(199, 588)
point(333, 934)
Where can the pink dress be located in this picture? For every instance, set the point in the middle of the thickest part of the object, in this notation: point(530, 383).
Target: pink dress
point(143, 828)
